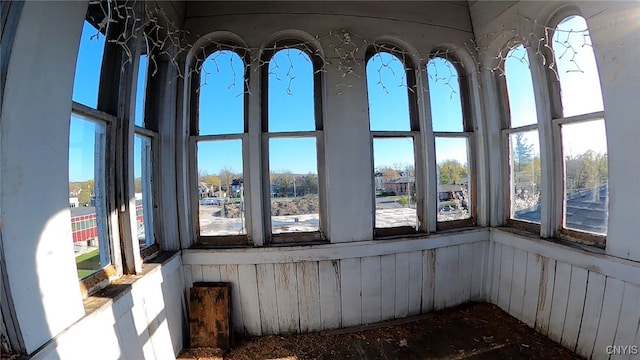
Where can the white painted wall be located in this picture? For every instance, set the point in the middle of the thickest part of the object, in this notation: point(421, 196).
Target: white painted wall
point(584, 298)
point(44, 297)
point(301, 289)
point(34, 143)
point(143, 321)
point(348, 159)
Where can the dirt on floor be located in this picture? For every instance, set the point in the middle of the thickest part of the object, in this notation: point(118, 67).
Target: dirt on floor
point(471, 331)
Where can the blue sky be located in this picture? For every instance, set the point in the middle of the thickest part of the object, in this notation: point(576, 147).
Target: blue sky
point(291, 105)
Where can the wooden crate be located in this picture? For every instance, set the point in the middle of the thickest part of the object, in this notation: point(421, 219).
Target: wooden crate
point(210, 315)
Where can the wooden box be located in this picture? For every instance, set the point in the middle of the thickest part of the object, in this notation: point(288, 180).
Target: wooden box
point(210, 315)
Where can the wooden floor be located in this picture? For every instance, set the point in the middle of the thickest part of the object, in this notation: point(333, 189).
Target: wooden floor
point(471, 331)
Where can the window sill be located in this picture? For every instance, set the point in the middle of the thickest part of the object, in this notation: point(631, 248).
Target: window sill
point(571, 242)
point(527, 235)
point(287, 253)
point(118, 287)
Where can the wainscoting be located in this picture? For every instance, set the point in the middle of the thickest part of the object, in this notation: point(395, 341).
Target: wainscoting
point(309, 288)
point(583, 300)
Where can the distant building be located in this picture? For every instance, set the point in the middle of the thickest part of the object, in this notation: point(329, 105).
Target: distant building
point(236, 187)
point(400, 186)
point(74, 202)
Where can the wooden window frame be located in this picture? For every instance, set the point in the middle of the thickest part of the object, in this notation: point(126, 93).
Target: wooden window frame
point(195, 138)
point(149, 130)
point(415, 133)
point(467, 133)
point(293, 238)
point(547, 89)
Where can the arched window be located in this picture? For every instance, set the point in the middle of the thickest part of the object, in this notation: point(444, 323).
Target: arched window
point(582, 130)
point(395, 137)
point(144, 145)
point(523, 140)
point(452, 131)
point(221, 127)
point(572, 201)
point(88, 174)
point(292, 129)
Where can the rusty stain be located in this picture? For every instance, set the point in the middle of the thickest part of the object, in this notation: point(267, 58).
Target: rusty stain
point(542, 287)
point(431, 257)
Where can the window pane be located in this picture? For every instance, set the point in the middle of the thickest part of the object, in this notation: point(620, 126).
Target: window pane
point(452, 159)
point(88, 65)
point(141, 89)
point(584, 147)
point(221, 188)
point(295, 204)
point(144, 200)
point(291, 94)
point(445, 95)
point(525, 175)
point(221, 101)
point(522, 102)
point(87, 189)
point(577, 70)
point(395, 182)
point(388, 93)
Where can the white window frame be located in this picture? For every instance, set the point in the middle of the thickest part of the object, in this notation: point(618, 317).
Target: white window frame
point(467, 134)
point(195, 138)
point(546, 87)
point(416, 133)
point(148, 161)
point(318, 236)
point(112, 232)
point(557, 121)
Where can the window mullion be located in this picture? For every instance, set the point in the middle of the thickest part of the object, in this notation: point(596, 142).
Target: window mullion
point(550, 161)
point(266, 189)
point(145, 132)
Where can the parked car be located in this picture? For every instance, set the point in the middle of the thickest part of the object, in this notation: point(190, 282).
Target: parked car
point(211, 201)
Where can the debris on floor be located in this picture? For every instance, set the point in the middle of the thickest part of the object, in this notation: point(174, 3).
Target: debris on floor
point(471, 331)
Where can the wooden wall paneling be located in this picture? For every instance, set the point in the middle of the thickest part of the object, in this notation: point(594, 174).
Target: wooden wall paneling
point(308, 296)
point(465, 272)
point(351, 292)
point(211, 272)
point(249, 299)
point(388, 281)
point(130, 344)
point(268, 303)
point(402, 285)
point(188, 277)
point(591, 314)
point(545, 295)
point(196, 273)
point(629, 318)
point(495, 272)
point(559, 300)
point(519, 280)
point(531, 289)
point(287, 297)
point(330, 298)
point(415, 282)
point(477, 270)
point(371, 290)
point(614, 289)
point(446, 274)
point(575, 307)
point(229, 273)
point(506, 277)
point(428, 279)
